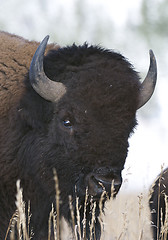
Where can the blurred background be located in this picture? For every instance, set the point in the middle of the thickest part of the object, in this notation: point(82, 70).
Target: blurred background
point(130, 27)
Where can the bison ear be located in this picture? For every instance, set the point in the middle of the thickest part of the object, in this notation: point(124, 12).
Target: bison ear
point(46, 88)
point(148, 86)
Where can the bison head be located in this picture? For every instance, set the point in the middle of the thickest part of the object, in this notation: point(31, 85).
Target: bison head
point(83, 109)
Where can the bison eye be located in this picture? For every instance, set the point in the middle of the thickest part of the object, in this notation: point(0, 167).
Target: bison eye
point(67, 123)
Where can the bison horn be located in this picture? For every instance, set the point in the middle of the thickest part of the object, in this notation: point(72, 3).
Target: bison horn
point(46, 88)
point(148, 85)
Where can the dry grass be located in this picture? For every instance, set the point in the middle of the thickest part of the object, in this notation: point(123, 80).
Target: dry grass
point(18, 221)
point(126, 218)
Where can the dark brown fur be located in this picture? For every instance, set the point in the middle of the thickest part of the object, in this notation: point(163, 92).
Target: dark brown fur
point(157, 204)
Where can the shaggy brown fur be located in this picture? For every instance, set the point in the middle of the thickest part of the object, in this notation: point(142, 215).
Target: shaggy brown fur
point(15, 57)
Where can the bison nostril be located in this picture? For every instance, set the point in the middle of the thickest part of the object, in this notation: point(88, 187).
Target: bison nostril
point(98, 183)
point(106, 182)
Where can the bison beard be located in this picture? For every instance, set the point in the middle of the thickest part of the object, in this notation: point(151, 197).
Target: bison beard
point(75, 115)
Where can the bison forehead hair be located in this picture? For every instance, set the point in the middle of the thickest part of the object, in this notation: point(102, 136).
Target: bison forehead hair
point(72, 110)
point(93, 68)
point(100, 84)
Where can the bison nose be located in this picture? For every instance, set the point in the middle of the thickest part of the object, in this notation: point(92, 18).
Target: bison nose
point(98, 183)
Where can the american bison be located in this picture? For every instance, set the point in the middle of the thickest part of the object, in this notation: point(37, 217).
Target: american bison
point(72, 110)
point(159, 206)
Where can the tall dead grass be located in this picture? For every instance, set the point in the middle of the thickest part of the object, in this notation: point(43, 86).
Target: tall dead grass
point(127, 217)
